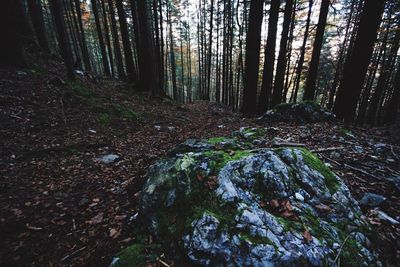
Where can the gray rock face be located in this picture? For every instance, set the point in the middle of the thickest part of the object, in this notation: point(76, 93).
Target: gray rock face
point(225, 206)
point(372, 200)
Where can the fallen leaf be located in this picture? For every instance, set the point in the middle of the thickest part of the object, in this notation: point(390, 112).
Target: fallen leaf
point(323, 208)
point(96, 219)
point(274, 203)
point(307, 235)
point(33, 228)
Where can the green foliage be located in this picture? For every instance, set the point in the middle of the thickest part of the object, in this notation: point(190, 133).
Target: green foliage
point(132, 256)
point(126, 112)
point(216, 140)
point(104, 119)
point(80, 89)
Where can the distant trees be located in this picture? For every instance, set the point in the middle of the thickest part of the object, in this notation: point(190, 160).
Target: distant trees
point(347, 62)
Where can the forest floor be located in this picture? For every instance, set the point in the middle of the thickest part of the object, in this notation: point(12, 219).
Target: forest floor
point(61, 206)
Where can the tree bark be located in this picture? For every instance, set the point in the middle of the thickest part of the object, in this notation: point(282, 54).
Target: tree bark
point(253, 41)
point(309, 92)
point(269, 61)
point(281, 66)
point(356, 66)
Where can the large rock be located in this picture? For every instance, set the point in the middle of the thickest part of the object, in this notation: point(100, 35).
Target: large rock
point(222, 202)
point(302, 112)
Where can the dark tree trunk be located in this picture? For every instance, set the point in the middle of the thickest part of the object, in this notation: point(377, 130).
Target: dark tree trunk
point(210, 50)
point(383, 79)
point(130, 66)
point(36, 13)
point(108, 39)
point(253, 40)
point(63, 42)
point(148, 68)
point(281, 66)
point(85, 52)
point(104, 57)
point(269, 61)
point(356, 66)
point(172, 54)
point(302, 52)
point(309, 92)
point(117, 47)
point(393, 106)
point(11, 52)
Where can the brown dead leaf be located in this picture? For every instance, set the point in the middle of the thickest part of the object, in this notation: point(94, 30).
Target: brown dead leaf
point(96, 219)
point(114, 233)
point(307, 235)
point(274, 203)
point(323, 208)
point(200, 177)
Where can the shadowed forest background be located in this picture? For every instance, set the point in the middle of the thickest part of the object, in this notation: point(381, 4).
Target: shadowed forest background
point(132, 79)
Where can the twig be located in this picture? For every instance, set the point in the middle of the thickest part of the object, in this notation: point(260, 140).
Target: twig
point(341, 248)
point(327, 149)
point(73, 253)
point(289, 144)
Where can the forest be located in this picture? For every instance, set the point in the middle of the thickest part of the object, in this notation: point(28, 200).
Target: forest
point(199, 133)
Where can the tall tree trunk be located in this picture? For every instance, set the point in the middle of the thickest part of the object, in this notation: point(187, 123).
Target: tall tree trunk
point(130, 66)
point(85, 52)
point(281, 66)
point(253, 42)
point(104, 57)
point(269, 61)
point(36, 13)
point(117, 47)
point(393, 105)
point(108, 39)
point(309, 92)
point(210, 49)
point(172, 55)
point(11, 51)
point(65, 49)
point(383, 79)
point(149, 73)
point(302, 52)
point(355, 68)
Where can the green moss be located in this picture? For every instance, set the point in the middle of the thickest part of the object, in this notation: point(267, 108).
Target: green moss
point(283, 106)
point(219, 158)
point(80, 89)
point(133, 255)
point(216, 140)
point(315, 163)
point(104, 119)
point(126, 112)
point(256, 239)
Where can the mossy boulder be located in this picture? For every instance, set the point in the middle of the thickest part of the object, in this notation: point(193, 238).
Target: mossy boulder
point(302, 112)
point(224, 202)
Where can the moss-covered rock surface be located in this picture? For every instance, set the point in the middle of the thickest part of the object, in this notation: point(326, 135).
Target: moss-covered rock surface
point(223, 202)
point(302, 112)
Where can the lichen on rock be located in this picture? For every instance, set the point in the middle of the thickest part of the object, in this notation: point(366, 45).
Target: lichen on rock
point(222, 202)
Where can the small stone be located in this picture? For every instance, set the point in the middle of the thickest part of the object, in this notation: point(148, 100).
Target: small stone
point(358, 149)
point(110, 158)
point(157, 127)
point(171, 128)
point(299, 197)
point(383, 216)
point(335, 246)
point(83, 202)
point(334, 155)
point(372, 200)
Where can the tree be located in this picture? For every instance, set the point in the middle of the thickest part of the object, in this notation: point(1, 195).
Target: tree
point(106, 66)
point(253, 40)
point(356, 64)
point(63, 41)
point(281, 65)
point(117, 47)
point(269, 60)
point(130, 66)
point(36, 13)
point(11, 52)
point(309, 92)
